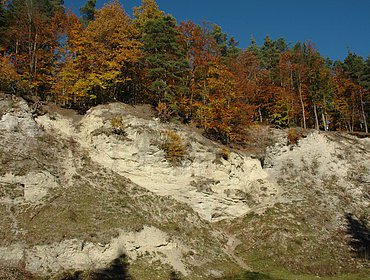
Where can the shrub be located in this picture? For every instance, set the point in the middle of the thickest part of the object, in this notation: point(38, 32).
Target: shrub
point(173, 147)
point(293, 136)
point(118, 126)
point(163, 112)
point(224, 153)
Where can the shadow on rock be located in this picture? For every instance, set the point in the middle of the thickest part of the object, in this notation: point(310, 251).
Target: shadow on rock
point(174, 276)
point(360, 236)
point(117, 270)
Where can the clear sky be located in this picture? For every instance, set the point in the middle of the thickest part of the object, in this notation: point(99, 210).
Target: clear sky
point(332, 25)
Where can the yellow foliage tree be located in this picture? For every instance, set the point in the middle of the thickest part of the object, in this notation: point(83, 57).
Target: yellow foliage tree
point(98, 58)
point(10, 80)
point(148, 10)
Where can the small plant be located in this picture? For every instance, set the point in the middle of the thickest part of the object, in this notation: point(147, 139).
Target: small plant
point(118, 126)
point(225, 153)
point(173, 147)
point(294, 136)
point(163, 112)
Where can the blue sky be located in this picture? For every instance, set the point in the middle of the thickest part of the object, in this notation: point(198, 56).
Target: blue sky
point(332, 25)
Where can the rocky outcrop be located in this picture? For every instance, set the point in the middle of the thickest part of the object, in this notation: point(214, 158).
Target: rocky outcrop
point(215, 187)
point(78, 192)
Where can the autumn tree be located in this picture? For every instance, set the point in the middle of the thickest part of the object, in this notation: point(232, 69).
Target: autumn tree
point(202, 52)
point(286, 108)
point(31, 37)
point(346, 101)
point(10, 80)
point(252, 81)
point(99, 57)
point(224, 115)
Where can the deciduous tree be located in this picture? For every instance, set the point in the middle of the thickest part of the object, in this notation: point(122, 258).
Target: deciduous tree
point(99, 57)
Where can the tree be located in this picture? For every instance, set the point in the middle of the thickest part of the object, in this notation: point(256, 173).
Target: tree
point(201, 52)
point(366, 74)
point(220, 38)
point(269, 54)
point(286, 108)
point(31, 37)
point(165, 61)
point(99, 57)
point(252, 82)
point(148, 10)
point(354, 66)
point(10, 80)
point(2, 24)
point(300, 72)
point(88, 12)
point(224, 115)
point(253, 48)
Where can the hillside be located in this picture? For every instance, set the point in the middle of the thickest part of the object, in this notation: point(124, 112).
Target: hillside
point(118, 194)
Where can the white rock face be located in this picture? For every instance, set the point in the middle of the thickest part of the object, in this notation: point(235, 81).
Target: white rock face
point(214, 187)
point(35, 185)
point(19, 120)
point(325, 157)
point(79, 255)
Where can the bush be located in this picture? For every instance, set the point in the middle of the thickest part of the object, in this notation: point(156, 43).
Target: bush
point(118, 126)
point(293, 136)
point(224, 153)
point(163, 112)
point(174, 148)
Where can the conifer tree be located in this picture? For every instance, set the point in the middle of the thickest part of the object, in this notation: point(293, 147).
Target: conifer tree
point(165, 59)
point(2, 24)
point(253, 48)
point(88, 12)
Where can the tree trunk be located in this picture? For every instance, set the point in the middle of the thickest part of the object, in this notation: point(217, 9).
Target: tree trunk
point(324, 122)
point(363, 114)
point(302, 103)
point(260, 114)
point(316, 117)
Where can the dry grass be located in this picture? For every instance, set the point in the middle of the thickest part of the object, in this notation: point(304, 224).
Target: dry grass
point(174, 148)
point(294, 135)
point(118, 126)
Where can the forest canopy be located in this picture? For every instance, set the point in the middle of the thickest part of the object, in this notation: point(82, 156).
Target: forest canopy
point(188, 71)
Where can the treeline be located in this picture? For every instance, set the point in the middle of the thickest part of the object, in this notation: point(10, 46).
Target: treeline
point(191, 72)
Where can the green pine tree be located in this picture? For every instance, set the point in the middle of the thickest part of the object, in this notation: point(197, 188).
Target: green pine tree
point(354, 65)
point(220, 38)
point(233, 51)
point(269, 54)
point(2, 24)
point(366, 74)
point(253, 47)
point(165, 59)
point(88, 11)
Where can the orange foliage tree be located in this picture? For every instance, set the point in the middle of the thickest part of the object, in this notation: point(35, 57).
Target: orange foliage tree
point(30, 40)
point(202, 52)
point(224, 112)
point(99, 58)
point(348, 100)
